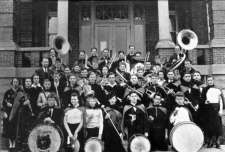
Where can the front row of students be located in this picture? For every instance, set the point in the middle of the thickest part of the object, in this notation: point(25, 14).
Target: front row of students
point(89, 121)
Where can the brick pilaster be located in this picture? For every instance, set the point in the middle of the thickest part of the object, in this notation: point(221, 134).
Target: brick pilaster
point(7, 45)
point(217, 24)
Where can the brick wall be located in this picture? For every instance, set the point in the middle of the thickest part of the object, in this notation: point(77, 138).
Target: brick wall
point(217, 22)
point(7, 46)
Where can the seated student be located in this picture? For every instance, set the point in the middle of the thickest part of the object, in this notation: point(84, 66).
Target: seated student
point(51, 114)
point(157, 118)
point(73, 121)
point(134, 116)
point(93, 118)
point(181, 112)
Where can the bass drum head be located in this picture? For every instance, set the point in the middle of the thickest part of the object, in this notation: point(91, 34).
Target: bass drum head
point(186, 137)
point(93, 145)
point(45, 137)
point(139, 143)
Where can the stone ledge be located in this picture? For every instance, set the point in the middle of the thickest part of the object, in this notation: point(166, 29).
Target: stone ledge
point(161, 44)
point(214, 69)
point(9, 72)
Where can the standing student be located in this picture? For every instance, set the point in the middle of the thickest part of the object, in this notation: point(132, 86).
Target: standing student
point(8, 126)
point(157, 118)
point(93, 118)
point(73, 121)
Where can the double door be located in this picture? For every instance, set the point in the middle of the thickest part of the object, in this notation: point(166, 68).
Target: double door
point(114, 36)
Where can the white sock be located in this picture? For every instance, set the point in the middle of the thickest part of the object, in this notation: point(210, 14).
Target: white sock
point(10, 143)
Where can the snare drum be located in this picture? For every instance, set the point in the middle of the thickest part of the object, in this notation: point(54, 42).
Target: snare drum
point(45, 137)
point(186, 137)
point(93, 144)
point(139, 143)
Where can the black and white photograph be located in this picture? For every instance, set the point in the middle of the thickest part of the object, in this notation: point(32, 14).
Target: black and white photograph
point(112, 75)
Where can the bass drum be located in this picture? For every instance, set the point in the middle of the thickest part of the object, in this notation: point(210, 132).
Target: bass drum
point(94, 144)
point(186, 137)
point(45, 137)
point(139, 143)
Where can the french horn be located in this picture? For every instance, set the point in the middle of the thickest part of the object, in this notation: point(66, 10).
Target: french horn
point(61, 45)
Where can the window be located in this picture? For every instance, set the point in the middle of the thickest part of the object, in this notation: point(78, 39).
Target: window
point(112, 12)
point(85, 13)
point(139, 12)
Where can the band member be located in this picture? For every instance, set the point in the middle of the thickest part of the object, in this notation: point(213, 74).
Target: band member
point(93, 118)
point(154, 88)
point(161, 80)
point(73, 120)
point(134, 117)
point(212, 110)
point(133, 85)
point(112, 87)
point(178, 54)
point(131, 55)
point(115, 64)
point(173, 86)
point(51, 114)
point(99, 94)
point(187, 67)
point(197, 81)
point(112, 129)
point(190, 92)
point(76, 70)
point(105, 60)
point(94, 54)
point(44, 72)
point(157, 117)
point(181, 112)
point(52, 57)
point(25, 117)
point(81, 58)
point(8, 126)
point(140, 75)
point(147, 67)
point(36, 88)
point(58, 87)
point(122, 71)
point(71, 88)
point(42, 97)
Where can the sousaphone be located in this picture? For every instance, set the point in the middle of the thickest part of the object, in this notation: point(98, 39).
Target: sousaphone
point(61, 45)
point(187, 40)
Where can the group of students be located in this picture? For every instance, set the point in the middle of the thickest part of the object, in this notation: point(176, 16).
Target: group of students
point(108, 99)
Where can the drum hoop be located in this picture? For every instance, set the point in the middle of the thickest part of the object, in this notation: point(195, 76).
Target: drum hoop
point(57, 128)
point(138, 135)
point(181, 124)
point(94, 139)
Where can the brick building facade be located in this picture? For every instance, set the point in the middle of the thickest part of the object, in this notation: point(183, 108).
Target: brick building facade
point(26, 27)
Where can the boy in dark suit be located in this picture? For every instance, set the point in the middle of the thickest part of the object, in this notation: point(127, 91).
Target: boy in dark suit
point(52, 114)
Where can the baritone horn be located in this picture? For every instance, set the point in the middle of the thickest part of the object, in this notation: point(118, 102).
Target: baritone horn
point(61, 45)
point(187, 39)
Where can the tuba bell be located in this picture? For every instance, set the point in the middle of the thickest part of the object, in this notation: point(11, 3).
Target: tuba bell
point(187, 39)
point(61, 45)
